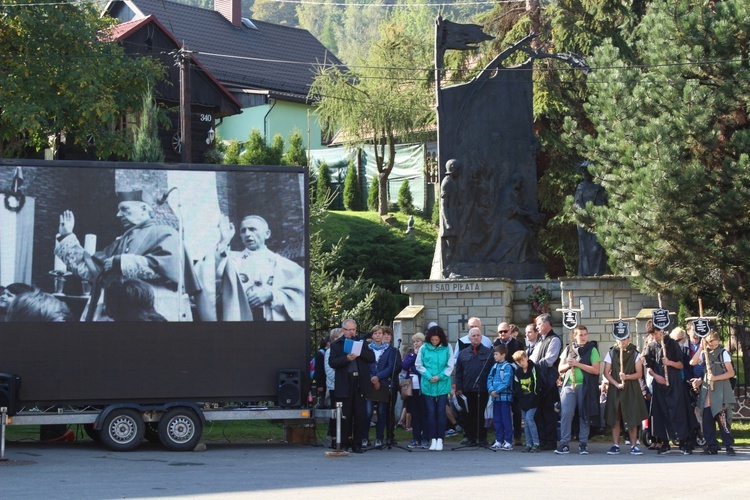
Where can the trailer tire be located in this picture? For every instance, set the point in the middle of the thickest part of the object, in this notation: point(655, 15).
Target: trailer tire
point(122, 430)
point(180, 429)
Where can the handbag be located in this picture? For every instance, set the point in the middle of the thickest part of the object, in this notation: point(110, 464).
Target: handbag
point(406, 388)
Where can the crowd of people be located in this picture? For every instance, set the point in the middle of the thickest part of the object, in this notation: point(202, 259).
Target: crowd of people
point(127, 299)
point(679, 387)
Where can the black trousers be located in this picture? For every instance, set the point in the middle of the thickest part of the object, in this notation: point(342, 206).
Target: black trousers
point(546, 422)
point(474, 427)
point(516, 409)
point(354, 424)
point(709, 430)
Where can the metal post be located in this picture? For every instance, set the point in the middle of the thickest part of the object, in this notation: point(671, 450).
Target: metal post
point(3, 421)
point(185, 97)
point(338, 424)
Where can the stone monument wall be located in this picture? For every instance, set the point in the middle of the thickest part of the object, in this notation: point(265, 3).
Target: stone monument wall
point(451, 303)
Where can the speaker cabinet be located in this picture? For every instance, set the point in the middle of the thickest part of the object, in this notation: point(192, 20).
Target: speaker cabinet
point(10, 386)
point(290, 388)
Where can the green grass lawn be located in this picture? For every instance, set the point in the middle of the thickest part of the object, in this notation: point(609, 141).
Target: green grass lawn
point(341, 223)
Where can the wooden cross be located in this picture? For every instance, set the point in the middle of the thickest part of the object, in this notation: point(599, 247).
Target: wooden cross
point(570, 308)
point(704, 344)
point(620, 318)
point(572, 330)
point(663, 348)
point(463, 322)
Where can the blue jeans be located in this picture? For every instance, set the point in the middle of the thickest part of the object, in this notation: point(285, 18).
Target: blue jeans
point(532, 434)
point(436, 416)
point(503, 421)
point(380, 424)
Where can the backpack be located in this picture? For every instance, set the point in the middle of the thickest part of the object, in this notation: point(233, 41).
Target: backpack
point(733, 380)
point(312, 364)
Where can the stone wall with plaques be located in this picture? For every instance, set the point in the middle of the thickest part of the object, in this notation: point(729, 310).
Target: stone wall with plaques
point(451, 303)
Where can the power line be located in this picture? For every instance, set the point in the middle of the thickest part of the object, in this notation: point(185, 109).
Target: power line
point(71, 2)
point(428, 4)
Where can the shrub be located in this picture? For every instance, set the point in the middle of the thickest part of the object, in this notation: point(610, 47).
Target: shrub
point(405, 199)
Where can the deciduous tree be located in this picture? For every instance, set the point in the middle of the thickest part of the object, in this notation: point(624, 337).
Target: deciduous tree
point(382, 103)
point(61, 74)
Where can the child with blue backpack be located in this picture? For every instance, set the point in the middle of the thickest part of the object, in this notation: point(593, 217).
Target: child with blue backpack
point(500, 387)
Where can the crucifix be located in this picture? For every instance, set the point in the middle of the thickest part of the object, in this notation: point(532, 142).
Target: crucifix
point(570, 321)
point(621, 331)
point(462, 322)
point(702, 327)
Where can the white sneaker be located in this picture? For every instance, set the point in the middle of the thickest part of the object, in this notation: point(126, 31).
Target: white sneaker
point(496, 445)
point(433, 445)
point(439, 445)
point(506, 446)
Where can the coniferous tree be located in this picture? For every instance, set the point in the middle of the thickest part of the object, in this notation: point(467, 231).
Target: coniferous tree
point(146, 143)
point(232, 153)
point(405, 199)
point(256, 150)
point(352, 191)
point(296, 154)
point(671, 140)
point(275, 152)
point(373, 194)
point(323, 187)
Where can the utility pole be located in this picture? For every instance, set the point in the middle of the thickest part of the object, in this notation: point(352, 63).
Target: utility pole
point(183, 60)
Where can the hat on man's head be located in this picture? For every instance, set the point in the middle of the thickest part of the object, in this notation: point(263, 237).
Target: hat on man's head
point(137, 195)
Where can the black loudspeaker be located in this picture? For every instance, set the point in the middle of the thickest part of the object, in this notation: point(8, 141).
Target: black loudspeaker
point(290, 388)
point(10, 386)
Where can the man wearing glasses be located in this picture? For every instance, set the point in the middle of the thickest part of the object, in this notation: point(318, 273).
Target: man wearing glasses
point(352, 386)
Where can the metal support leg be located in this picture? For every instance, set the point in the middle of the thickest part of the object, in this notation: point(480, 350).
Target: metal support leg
point(3, 422)
point(338, 424)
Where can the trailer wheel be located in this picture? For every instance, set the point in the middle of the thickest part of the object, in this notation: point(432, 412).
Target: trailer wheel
point(180, 429)
point(122, 430)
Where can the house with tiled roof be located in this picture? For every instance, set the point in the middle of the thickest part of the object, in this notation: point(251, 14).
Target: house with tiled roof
point(209, 99)
point(268, 68)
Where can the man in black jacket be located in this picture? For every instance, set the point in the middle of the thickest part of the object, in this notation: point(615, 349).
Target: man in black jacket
point(351, 387)
point(472, 367)
point(546, 356)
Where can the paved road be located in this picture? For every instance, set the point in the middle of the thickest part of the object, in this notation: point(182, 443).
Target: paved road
point(85, 470)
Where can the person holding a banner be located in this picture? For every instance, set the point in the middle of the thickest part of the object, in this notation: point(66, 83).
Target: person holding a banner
point(579, 367)
point(673, 418)
point(625, 407)
point(716, 398)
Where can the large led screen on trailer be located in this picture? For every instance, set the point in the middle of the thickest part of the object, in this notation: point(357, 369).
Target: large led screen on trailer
point(147, 282)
